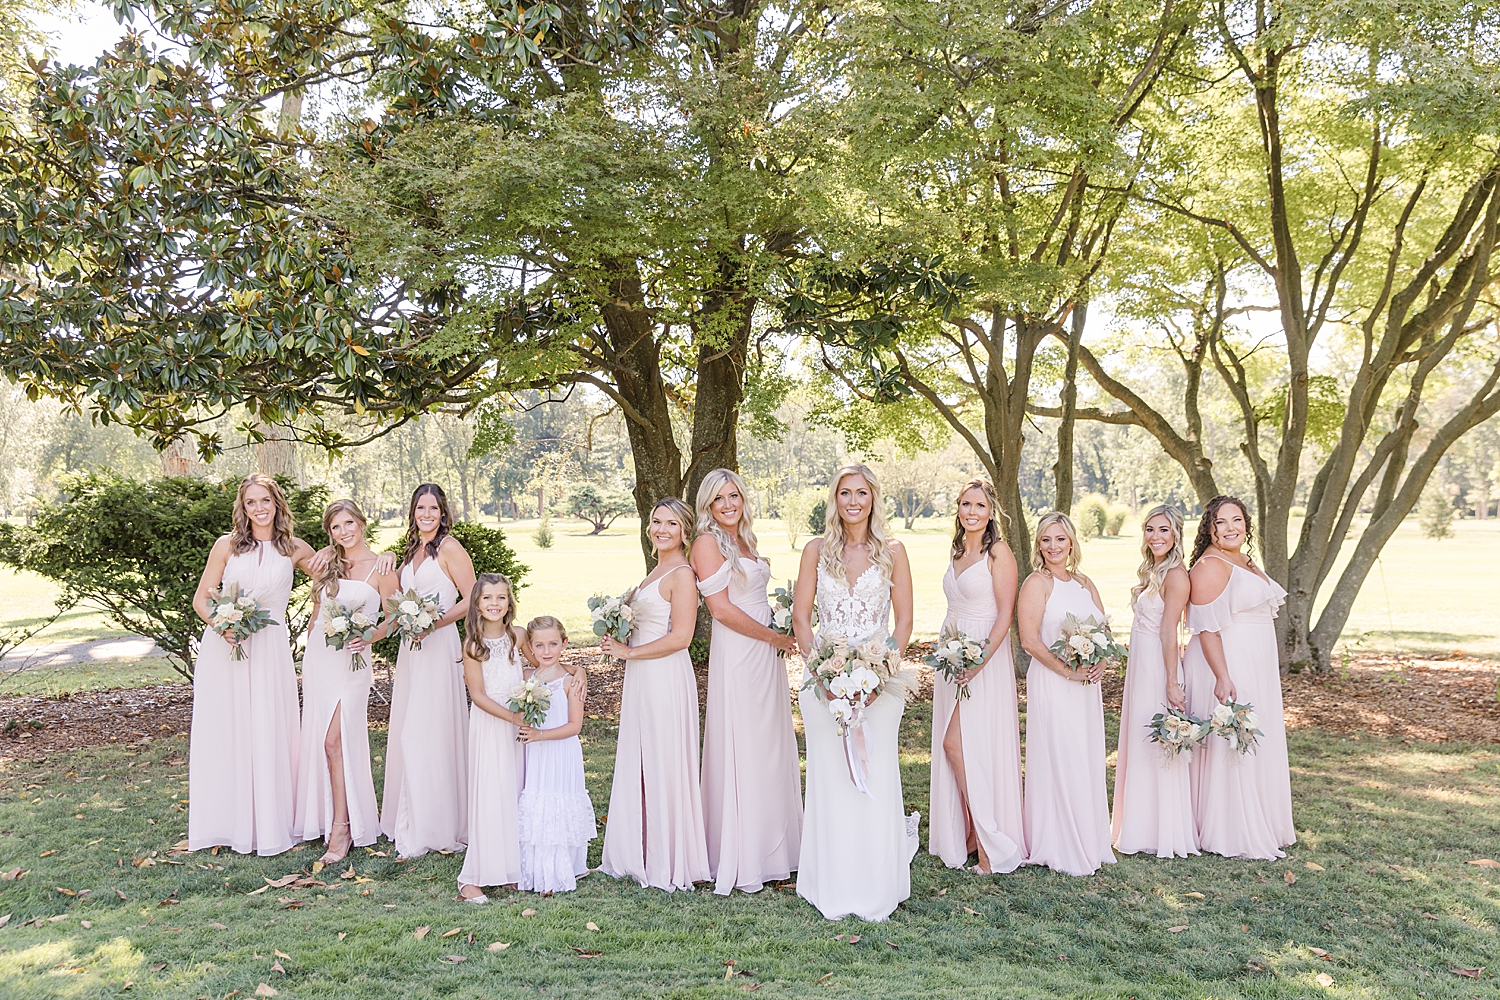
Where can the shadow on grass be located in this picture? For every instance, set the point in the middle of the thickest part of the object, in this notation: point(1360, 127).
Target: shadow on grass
point(1393, 902)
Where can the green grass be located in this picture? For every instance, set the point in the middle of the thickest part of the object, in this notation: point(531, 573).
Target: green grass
point(94, 675)
point(1392, 825)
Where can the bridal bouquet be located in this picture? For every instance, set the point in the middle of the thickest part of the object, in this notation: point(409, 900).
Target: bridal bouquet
point(955, 653)
point(844, 677)
point(1236, 723)
point(236, 616)
point(781, 611)
point(531, 698)
point(613, 616)
point(1176, 731)
point(1087, 642)
point(413, 613)
point(342, 623)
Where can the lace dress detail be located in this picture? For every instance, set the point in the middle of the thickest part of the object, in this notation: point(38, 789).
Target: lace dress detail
point(557, 818)
point(501, 671)
point(859, 612)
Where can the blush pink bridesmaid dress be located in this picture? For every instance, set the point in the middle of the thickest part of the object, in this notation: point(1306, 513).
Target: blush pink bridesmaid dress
point(328, 684)
point(243, 750)
point(425, 807)
point(1067, 805)
point(1243, 802)
point(497, 769)
point(752, 780)
point(991, 738)
point(654, 831)
point(1153, 802)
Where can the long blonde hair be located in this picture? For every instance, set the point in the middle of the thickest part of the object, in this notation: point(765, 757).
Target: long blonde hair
point(338, 563)
point(1075, 554)
point(1153, 574)
point(242, 537)
point(835, 536)
point(709, 525)
point(684, 515)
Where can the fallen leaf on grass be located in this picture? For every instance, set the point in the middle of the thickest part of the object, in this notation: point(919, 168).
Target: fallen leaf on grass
point(342, 935)
point(4, 920)
point(169, 901)
point(528, 912)
point(587, 952)
point(1178, 929)
point(276, 967)
point(421, 932)
point(750, 986)
point(1289, 877)
point(317, 866)
point(181, 845)
point(360, 879)
point(257, 892)
point(282, 882)
point(893, 944)
point(942, 892)
point(1485, 863)
point(47, 854)
point(1319, 952)
point(66, 892)
point(281, 954)
point(87, 925)
point(1312, 866)
point(1470, 973)
point(307, 883)
point(348, 874)
point(14, 875)
point(1323, 979)
point(218, 926)
point(497, 946)
point(972, 913)
point(1193, 895)
point(121, 894)
point(290, 904)
point(158, 966)
point(454, 959)
point(854, 939)
point(447, 934)
point(264, 990)
point(1428, 916)
point(591, 926)
point(823, 979)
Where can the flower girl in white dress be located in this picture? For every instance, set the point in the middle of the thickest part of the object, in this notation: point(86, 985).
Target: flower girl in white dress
point(557, 818)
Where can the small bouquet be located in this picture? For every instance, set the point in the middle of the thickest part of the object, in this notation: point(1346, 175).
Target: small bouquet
point(956, 653)
point(1176, 731)
point(531, 698)
point(613, 616)
point(781, 611)
point(342, 623)
point(1087, 642)
point(1236, 723)
point(844, 676)
point(413, 613)
point(236, 616)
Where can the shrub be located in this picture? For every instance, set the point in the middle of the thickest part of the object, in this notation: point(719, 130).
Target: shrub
point(1091, 516)
point(796, 510)
point(817, 518)
point(1118, 515)
point(136, 550)
point(698, 650)
point(543, 533)
point(1435, 514)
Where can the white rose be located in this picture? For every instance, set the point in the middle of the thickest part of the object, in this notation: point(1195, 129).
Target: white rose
point(972, 651)
point(409, 608)
point(424, 620)
point(627, 613)
point(1081, 645)
point(361, 619)
point(1221, 716)
point(1251, 720)
point(224, 611)
point(338, 624)
point(1100, 639)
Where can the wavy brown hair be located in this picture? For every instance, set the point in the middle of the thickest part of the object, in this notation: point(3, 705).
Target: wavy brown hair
point(414, 535)
point(991, 530)
point(242, 536)
point(1206, 527)
point(338, 563)
point(684, 515)
point(474, 646)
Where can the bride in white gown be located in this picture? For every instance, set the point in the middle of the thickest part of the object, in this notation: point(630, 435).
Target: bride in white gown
point(856, 846)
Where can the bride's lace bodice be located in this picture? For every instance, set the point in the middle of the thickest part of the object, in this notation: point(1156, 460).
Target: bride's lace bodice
point(857, 613)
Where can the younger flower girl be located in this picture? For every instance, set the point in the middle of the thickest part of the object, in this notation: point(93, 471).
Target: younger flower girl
point(557, 818)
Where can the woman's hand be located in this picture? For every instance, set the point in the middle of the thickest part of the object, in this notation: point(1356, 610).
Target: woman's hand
point(1094, 672)
point(1176, 697)
point(610, 646)
point(356, 646)
point(385, 563)
point(318, 561)
point(785, 643)
point(1224, 690)
point(526, 734)
point(577, 684)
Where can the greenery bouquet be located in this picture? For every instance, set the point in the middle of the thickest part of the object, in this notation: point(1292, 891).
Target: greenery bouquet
point(414, 614)
point(531, 698)
point(236, 616)
point(342, 623)
point(1238, 724)
point(1175, 732)
point(613, 616)
point(956, 652)
point(1086, 642)
point(781, 610)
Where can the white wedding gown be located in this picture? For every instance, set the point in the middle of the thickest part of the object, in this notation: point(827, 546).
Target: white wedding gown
point(856, 848)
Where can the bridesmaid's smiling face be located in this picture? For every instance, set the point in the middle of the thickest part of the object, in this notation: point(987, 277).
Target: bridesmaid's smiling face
point(1056, 546)
point(494, 602)
point(345, 530)
point(428, 514)
point(1158, 532)
point(974, 509)
point(259, 506)
point(854, 498)
point(666, 530)
point(728, 506)
point(1229, 527)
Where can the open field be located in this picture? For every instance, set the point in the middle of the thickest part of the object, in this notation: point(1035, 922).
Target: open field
point(1383, 885)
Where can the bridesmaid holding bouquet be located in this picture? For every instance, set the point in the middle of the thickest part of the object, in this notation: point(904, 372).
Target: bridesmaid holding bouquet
point(752, 781)
point(243, 750)
point(976, 741)
point(654, 833)
point(1067, 804)
point(426, 773)
point(1153, 800)
point(1243, 802)
point(336, 793)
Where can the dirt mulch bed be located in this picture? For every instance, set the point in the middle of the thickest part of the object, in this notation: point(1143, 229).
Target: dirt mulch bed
point(1422, 699)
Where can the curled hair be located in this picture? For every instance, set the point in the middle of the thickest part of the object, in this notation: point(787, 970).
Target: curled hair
point(1153, 574)
point(543, 622)
point(413, 539)
point(1075, 553)
point(474, 646)
point(991, 529)
point(1206, 527)
point(729, 546)
point(836, 535)
point(684, 515)
point(338, 563)
point(242, 535)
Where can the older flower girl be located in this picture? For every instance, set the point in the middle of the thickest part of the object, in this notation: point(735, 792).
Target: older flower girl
point(557, 818)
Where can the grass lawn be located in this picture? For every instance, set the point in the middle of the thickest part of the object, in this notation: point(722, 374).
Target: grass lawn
point(1393, 903)
point(91, 675)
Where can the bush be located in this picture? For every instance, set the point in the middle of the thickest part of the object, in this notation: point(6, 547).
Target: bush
point(543, 533)
point(1435, 514)
point(1091, 516)
point(698, 650)
point(796, 509)
point(817, 518)
point(1118, 515)
point(1297, 512)
point(136, 550)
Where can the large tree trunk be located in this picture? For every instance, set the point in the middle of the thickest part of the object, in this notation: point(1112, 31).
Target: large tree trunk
point(180, 459)
point(276, 452)
point(722, 350)
point(1062, 469)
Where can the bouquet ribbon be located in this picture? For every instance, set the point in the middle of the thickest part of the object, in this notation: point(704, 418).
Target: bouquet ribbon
point(857, 756)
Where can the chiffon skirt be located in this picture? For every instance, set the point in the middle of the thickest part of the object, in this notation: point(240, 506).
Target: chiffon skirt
point(1067, 805)
point(425, 807)
point(1153, 810)
point(328, 685)
point(497, 767)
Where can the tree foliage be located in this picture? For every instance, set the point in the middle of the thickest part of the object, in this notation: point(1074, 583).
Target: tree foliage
point(600, 507)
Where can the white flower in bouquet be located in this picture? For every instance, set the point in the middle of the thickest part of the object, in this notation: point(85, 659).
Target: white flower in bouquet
point(1238, 724)
point(236, 616)
point(865, 680)
point(1176, 732)
point(409, 607)
point(847, 677)
point(341, 624)
point(1221, 716)
point(531, 698)
point(413, 614)
point(843, 711)
point(956, 653)
point(612, 616)
point(1082, 644)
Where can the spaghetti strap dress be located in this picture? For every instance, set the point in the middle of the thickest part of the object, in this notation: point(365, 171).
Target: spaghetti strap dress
point(557, 817)
point(328, 684)
point(246, 733)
